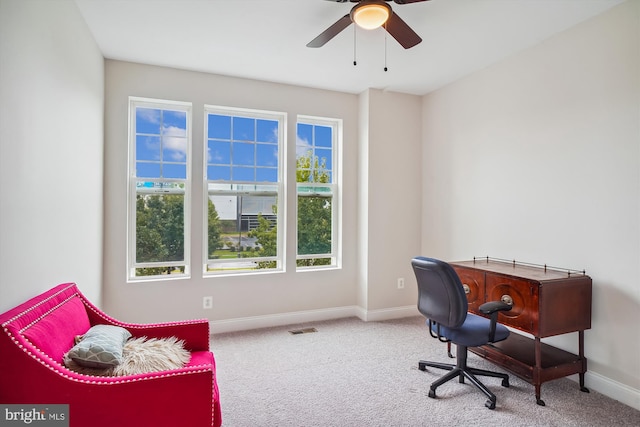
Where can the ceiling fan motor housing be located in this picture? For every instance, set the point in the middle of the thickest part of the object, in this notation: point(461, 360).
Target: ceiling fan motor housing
point(371, 14)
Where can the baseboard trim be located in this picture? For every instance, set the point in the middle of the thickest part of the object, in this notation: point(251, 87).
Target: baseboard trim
point(610, 388)
point(282, 319)
point(387, 313)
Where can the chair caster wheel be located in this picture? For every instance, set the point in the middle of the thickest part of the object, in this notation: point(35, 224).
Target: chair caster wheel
point(505, 382)
point(490, 404)
point(540, 402)
point(432, 394)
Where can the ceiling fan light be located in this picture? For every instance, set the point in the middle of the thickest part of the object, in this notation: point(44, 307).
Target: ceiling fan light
point(371, 16)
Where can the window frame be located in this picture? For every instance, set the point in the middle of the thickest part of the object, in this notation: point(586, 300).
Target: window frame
point(242, 189)
point(336, 193)
point(132, 189)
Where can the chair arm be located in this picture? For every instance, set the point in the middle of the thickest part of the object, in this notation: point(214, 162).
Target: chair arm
point(194, 333)
point(493, 308)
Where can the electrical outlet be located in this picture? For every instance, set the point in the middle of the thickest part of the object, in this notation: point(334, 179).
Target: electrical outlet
point(400, 283)
point(207, 303)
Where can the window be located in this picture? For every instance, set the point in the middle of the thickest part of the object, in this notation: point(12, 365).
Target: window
point(159, 189)
point(244, 208)
point(318, 207)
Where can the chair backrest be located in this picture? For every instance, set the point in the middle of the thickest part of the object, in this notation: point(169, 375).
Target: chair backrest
point(48, 322)
point(441, 296)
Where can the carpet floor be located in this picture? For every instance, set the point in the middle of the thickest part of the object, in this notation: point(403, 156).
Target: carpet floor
point(354, 373)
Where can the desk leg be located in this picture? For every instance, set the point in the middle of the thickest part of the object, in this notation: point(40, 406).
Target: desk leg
point(537, 370)
point(582, 360)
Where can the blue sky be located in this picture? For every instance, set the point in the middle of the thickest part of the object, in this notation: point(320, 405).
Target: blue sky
point(238, 148)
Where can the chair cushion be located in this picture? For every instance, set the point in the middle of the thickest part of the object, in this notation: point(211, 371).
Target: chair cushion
point(474, 331)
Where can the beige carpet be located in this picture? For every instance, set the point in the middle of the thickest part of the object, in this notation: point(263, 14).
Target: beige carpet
point(354, 373)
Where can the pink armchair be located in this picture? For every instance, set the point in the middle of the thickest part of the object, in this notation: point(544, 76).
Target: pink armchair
point(35, 335)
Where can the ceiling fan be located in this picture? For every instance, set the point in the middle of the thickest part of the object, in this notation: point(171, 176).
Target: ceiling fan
point(370, 14)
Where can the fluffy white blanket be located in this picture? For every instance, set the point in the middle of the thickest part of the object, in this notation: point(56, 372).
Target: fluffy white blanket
point(141, 355)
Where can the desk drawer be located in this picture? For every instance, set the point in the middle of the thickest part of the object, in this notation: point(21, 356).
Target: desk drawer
point(473, 280)
point(522, 294)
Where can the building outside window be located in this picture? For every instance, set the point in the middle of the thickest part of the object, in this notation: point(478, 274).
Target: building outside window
point(159, 189)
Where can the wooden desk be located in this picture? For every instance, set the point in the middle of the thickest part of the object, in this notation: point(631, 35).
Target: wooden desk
point(546, 302)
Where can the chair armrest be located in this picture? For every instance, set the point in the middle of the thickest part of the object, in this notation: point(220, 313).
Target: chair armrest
point(493, 308)
point(194, 333)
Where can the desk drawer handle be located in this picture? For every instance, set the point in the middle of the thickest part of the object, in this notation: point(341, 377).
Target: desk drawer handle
point(467, 289)
point(507, 299)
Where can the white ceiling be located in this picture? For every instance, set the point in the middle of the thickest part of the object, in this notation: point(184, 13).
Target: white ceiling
point(266, 39)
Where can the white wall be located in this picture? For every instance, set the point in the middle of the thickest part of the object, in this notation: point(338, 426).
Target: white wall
point(266, 299)
point(51, 121)
point(235, 298)
point(390, 200)
point(537, 159)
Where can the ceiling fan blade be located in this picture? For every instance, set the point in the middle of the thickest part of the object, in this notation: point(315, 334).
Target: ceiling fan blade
point(402, 32)
point(331, 32)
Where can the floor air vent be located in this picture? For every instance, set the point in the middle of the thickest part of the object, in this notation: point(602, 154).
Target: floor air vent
point(303, 331)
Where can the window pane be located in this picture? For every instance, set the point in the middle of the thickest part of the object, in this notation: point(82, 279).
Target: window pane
point(160, 137)
point(305, 134)
point(243, 129)
point(177, 171)
point(147, 147)
point(147, 170)
point(243, 174)
point(159, 228)
point(219, 126)
point(323, 136)
point(174, 149)
point(175, 123)
point(324, 158)
point(314, 225)
point(240, 229)
point(219, 152)
point(267, 175)
point(148, 120)
point(219, 172)
point(243, 154)
point(267, 155)
point(267, 131)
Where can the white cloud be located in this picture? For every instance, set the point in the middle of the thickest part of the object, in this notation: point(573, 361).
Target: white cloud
point(174, 140)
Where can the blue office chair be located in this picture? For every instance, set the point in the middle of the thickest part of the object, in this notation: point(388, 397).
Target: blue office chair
point(442, 300)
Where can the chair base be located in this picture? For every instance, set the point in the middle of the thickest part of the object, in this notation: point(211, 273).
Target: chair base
point(462, 371)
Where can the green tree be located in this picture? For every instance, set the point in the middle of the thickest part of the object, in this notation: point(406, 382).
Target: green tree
point(314, 218)
point(314, 212)
point(173, 226)
point(266, 235)
point(159, 230)
point(214, 230)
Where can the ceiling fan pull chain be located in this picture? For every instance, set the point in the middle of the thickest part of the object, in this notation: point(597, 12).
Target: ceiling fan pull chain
point(354, 46)
point(385, 47)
